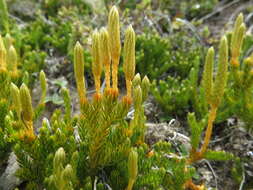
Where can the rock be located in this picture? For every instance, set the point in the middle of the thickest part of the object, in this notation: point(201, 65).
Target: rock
point(24, 9)
point(96, 5)
point(164, 131)
point(8, 180)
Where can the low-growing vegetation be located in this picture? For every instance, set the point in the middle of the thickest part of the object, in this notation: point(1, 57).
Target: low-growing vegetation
point(93, 130)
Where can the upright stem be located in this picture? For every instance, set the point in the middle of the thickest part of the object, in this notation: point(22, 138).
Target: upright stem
point(212, 115)
point(189, 184)
point(129, 88)
point(97, 84)
point(107, 76)
point(81, 92)
point(130, 185)
point(115, 63)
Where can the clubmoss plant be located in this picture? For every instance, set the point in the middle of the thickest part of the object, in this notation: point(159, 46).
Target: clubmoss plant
point(237, 101)
point(98, 148)
point(110, 136)
point(213, 92)
point(9, 74)
point(99, 138)
point(62, 177)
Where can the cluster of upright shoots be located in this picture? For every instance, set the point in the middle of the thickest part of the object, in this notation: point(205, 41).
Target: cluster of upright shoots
point(20, 97)
point(214, 90)
point(22, 104)
point(242, 73)
point(106, 49)
point(237, 41)
point(8, 56)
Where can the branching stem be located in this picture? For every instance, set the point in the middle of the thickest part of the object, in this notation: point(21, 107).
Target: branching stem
point(212, 116)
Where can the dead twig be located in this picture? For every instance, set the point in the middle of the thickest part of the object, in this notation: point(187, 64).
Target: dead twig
point(167, 18)
point(218, 10)
point(192, 28)
point(221, 139)
point(238, 10)
point(243, 178)
point(154, 24)
point(17, 19)
point(213, 172)
point(248, 18)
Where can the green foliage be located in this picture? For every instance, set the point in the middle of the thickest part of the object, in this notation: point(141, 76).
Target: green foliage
point(9, 74)
point(196, 129)
point(31, 59)
point(5, 141)
point(4, 15)
point(5, 131)
point(34, 155)
point(152, 55)
point(51, 7)
point(188, 9)
point(56, 26)
point(218, 155)
point(175, 54)
point(15, 105)
point(165, 172)
point(237, 101)
point(177, 95)
point(172, 97)
point(95, 141)
point(174, 64)
point(62, 177)
point(41, 105)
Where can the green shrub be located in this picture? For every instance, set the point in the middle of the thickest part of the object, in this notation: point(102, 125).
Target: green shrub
point(173, 63)
point(158, 56)
point(188, 9)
